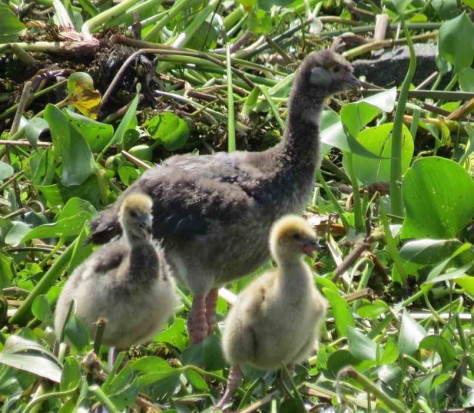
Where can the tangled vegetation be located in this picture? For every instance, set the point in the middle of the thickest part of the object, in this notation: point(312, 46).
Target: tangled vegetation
point(94, 92)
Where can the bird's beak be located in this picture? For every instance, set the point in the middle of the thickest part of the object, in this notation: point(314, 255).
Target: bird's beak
point(310, 246)
point(145, 223)
point(352, 82)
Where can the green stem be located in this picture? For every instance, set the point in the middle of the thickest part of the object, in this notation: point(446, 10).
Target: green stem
point(358, 214)
point(97, 391)
point(397, 138)
point(45, 283)
point(334, 202)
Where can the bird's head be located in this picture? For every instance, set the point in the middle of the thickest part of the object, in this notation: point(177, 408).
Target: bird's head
point(326, 73)
point(291, 237)
point(135, 216)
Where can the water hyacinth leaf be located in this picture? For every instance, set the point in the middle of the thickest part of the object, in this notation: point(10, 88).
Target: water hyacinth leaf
point(467, 283)
point(207, 354)
point(456, 42)
point(70, 221)
point(97, 134)
point(10, 26)
point(176, 335)
point(360, 345)
point(429, 251)
point(466, 79)
point(440, 345)
point(34, 128)
point(438, 196)
point(259, 21)
point(72, 375)
point(195, 379)
point(374, 310)
point(356, 115)
point(16, 233)
point(30, 356)
point(41, 309)
point(77, 161)
point(390, 353)
point(378, 140)
point(168, 130)
point(340, 359)
point(411, 334)
point(6, 171)
point(82, 94)
point(122, 389)
point(333, 134)
point(341, 312)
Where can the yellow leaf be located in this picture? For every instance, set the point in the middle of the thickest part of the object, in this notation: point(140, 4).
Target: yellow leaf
point(82, 95)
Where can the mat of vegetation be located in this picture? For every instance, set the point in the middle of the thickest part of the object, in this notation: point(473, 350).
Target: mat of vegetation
point(94, 92)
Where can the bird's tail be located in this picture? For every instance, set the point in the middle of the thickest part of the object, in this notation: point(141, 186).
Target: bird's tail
point(104, 227)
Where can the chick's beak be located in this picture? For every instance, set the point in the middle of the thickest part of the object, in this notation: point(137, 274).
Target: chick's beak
point(352, 82)
point(145, 223)
point(310, 246)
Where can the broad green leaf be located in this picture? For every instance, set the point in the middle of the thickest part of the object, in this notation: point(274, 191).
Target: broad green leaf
point(168, 130)
point(97, 134)
point(411, 334)
point(122, 389)
point(390, 352)
point(398, 5)
point(77, 161)
point(429, 251)
point(441, 346)
point(70, 221)
point(196, 380)
point(34, 128)
point(341, 312)
point(340, 359)
point(6, 170)
point(259, 21)
point(456, 42)
point(466, 79)
point(10, 26)
point(176, 335)
point(6, 273)
point(72, 375)
point(16, 233)
point(207, 354)
point(438, 195)
point(41, 309)
point(467, 283)
point(373, 310)
point(30, 356)
point(378, 140)
point(360, 345)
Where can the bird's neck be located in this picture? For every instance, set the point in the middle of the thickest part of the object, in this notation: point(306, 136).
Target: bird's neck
point(143, 260)
point(294, 276)
point(301, 141)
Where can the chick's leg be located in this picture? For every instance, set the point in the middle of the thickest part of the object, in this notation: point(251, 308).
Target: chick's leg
point(233, 383)
point(211, 302)
point(197, 322)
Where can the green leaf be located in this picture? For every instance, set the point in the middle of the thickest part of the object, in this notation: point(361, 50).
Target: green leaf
point(340, 359)
point(97, 134)
point(10, 26)
point(176, 335)
point(41, 309)
point(6, 170)
point(196, 380)
point(373, 310)
point(411, 334)
point(169, 130)
point(390, 353)
point(70, 222)
point(441, 346)
point(77, 161)
point(378, 140)
point(360, 345)
point(259, 21)
point(466, 79)
point(122, 389)
point(207, 354)
point(34, 128)
point(456, 42)
point(429, 251)
point(71, 377)
point(29, 356)
point(438, 196)
point(341, 312)
point(467, 283)
point(16, 233)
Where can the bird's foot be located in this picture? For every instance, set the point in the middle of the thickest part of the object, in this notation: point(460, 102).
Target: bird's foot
point(233, 383)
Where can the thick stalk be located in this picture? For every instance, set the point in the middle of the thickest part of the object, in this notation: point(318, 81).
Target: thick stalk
point(230, 104)
point(396, 164)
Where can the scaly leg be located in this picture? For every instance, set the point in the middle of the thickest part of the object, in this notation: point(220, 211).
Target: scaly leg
point(211, 302)
point(233, 383)
point(197, 323)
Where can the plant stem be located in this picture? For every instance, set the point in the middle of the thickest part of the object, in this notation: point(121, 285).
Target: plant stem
point(230, 105)
point(396, 199)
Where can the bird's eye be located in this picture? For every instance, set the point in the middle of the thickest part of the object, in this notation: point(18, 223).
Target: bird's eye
point(296, 236)
point(335, 69)
point(133, 213)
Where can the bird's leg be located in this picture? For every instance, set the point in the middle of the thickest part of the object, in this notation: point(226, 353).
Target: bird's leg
point(211, 302)
point(233, 383)
point(197, 323)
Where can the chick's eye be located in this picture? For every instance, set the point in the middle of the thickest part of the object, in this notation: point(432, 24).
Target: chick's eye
point(335, 69)
point(133, 214)
point(296, 236)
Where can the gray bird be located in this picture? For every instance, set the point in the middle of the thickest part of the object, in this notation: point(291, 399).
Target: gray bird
point(277, 318)
point(126, 282)
point(213, 212)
